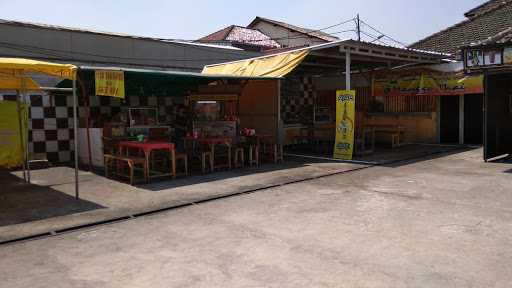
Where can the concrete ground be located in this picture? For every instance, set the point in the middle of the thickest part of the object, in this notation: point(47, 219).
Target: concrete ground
point(441, 222)
point(382, 155)
point(49, 204)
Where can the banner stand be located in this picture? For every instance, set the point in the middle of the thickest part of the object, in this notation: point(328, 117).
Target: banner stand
point(345, 124)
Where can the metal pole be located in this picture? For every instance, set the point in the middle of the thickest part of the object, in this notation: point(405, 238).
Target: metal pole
point(22, 141)
point(27, 154)
point(358, 24)
point(75, 131)
point(347, 70)
point(86, 98)
point(461, 119)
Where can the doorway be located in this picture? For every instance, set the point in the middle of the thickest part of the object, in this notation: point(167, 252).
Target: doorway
point(449, 119)
point(473, 119)
point(498, 115)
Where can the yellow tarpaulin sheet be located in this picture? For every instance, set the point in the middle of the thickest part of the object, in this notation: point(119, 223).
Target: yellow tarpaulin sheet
point(271, 66)
point(12, 66)
point(15, 83)
point(11, 147)
point(345, 125)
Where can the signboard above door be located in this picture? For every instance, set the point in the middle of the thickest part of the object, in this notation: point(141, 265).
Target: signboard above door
point(487, 57)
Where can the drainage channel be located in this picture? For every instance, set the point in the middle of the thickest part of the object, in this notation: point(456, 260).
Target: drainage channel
point(203, 201)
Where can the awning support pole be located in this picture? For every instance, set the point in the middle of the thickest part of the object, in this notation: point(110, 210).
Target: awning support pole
point(461, 119)
point(22, 138)
point(75, 132)
point(27, 153)
point(347, 70)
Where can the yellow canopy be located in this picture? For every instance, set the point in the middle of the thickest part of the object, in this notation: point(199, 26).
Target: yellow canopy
point(270, 66)
point(15, 66)
point(15, 83)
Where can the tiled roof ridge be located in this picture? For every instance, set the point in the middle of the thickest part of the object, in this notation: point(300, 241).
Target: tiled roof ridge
point(463, 22)
point(495, 38)
point(474, 11)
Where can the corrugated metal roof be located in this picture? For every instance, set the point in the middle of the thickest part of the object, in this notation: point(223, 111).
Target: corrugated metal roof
point(71, 29)
point(431, 56)
point(181, 74)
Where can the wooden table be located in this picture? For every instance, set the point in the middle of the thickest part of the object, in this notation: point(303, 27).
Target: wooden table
point(211, 142)
point(147, 148)
point(396, 132)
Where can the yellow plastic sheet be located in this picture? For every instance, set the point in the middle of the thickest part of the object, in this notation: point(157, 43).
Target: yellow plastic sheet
point(15, 83)
point(271, 66)
point(13, 66)
point(11, 147)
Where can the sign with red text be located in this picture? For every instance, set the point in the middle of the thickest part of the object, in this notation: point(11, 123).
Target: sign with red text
point(109, 83)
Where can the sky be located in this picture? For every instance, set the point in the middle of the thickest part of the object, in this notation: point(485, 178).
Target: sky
point(404, 20)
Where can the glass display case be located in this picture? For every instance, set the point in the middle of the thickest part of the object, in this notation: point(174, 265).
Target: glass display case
point(207, 110)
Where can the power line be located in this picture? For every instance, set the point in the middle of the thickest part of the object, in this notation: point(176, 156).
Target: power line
point(308, 34)
point(390, 38)
point(375, 38)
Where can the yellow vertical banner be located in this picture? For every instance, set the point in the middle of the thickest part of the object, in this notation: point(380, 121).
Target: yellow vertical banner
point(11, 146)
point(109, 83)
point(345, 125)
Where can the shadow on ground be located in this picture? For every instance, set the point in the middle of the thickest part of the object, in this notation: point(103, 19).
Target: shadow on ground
point(390, 157)
point(21, 202)
point(505, 160)
point(226, 175)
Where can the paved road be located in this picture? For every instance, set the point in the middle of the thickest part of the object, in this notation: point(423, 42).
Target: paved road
point(444, 222)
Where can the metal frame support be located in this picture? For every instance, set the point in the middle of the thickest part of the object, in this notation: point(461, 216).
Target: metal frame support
point(461, 119)
point(280, 128)
point(75, 140)
point(438, 119)
point(22, 138)
point(347, 70)
point(25, 136)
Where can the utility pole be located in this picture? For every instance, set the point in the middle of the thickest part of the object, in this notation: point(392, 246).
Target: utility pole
point(358, 28)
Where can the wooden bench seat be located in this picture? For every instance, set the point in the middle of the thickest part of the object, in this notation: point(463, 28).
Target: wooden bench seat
point(131, 162)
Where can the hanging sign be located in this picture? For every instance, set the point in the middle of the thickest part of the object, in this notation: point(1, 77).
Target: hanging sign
point(345, 125)
point(11, 146)
point(109, 83)
point(427, 84)
point(477, 58)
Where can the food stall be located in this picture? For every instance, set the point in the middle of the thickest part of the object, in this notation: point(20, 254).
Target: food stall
point(176, 108)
